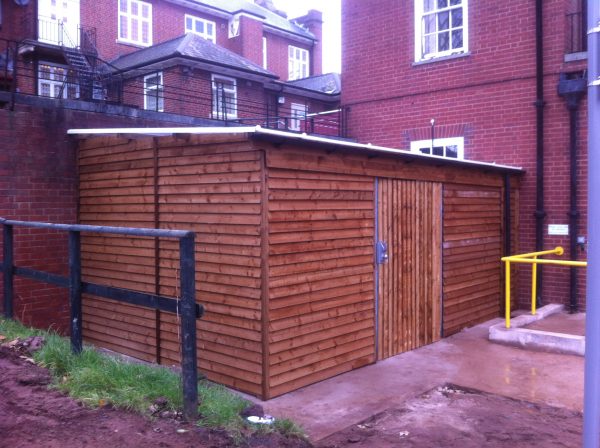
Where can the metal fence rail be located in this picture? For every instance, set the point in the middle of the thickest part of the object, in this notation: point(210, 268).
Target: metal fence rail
point(186, 307)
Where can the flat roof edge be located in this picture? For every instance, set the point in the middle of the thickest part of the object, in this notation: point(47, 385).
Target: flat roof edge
point(260, 131)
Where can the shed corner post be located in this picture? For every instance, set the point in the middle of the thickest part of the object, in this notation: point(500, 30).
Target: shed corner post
point(75, 291)
point(264, 264)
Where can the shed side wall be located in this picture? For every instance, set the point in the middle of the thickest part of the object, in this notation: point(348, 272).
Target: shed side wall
point(200, 184)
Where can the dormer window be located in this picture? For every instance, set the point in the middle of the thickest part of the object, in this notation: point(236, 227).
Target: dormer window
point(201, 27)
point(298, 67)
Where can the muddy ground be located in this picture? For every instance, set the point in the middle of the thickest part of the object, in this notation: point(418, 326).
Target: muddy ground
point(452, 417)
point(31, 415)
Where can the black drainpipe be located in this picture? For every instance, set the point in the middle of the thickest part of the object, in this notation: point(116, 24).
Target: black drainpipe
point(572, 88)
point(540, 213)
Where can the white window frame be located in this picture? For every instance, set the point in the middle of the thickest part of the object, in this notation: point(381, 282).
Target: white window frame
point(420, 14)
point(154, 91)
point(459, 142)
point(264, 49)
point(136, 21)
point(298, 114)
point(205, 24)
point(217, 111)
point(54, 79)
point(298, 63)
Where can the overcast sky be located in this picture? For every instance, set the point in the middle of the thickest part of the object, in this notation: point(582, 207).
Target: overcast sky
point(332, 41)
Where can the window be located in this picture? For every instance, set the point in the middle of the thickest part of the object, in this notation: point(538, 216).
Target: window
point(201, 27)
point(452, 148)
point(135, 22)
point(440, 28)
point(297, 63)
point(54, 82)
point(224, 98)
point(264, 42)
point(298, 115)
point(154, 90)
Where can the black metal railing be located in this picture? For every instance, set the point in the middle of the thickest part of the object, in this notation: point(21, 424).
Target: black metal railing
point(576, 31)
point(55, 32)
point(194, 96)
point(186, 307)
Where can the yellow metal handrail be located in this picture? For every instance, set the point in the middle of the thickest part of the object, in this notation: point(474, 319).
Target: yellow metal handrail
point(532, 258)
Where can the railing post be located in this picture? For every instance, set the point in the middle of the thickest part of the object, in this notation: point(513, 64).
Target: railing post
point(507, 293)
point(75, 290)
point(533, 286)
point(189, 362)
point(8, 270)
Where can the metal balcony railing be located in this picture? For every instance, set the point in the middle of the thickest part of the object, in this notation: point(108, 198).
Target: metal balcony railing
point(144, 91)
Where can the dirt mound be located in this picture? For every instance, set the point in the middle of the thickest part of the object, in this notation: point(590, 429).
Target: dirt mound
point(32, 415)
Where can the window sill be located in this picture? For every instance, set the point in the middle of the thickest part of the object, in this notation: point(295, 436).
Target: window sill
point(573, 57)
point(441, 59)
point(133, 44)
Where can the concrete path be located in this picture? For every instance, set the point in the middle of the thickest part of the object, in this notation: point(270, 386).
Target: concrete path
point(467, 359)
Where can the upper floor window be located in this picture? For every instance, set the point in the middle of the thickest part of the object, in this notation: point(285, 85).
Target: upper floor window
point(453, 148)
point(201, 27)
point(135, 22)
point(297, 63)
point(298, 116)
point(54, 81)
point(154, 89)
point(440, 28)
point(224, 97)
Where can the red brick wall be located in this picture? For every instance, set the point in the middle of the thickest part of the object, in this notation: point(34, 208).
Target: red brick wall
point(486, 96)
point(277, 55)
point(38, 182)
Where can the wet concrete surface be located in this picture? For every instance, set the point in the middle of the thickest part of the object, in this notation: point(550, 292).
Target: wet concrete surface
point(467, 359)
point(562, 322)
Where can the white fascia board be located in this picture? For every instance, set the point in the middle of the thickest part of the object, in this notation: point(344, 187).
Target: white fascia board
point(162, 132)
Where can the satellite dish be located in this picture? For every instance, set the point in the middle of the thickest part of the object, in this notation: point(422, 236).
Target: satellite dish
point(22, 2)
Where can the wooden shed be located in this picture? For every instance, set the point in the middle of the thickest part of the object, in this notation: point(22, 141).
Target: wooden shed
point(288, 228)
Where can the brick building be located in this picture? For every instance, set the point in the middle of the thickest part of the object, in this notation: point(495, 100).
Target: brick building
point(211, 59)
point(484, 80)
point(133, 63)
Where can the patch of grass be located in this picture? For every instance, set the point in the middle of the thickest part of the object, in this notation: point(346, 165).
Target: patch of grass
point(97, 379)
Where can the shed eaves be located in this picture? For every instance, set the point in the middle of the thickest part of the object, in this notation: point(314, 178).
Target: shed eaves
point(291, 136)
point(189, 46)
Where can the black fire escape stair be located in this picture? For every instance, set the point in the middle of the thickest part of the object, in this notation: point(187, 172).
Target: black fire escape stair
point(81, 72)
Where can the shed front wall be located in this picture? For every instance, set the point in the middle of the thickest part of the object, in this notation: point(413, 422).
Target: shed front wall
point(321, 220)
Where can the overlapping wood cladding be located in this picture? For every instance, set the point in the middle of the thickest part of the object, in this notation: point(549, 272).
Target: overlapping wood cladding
point(472, 248)
point(285, 252)
point(321, 307)
point(213, 189)
point(116, 189)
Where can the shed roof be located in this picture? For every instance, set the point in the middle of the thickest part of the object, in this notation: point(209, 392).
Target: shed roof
point(259, 132)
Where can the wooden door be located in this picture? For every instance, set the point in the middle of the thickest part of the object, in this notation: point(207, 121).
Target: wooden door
point(409, 282)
